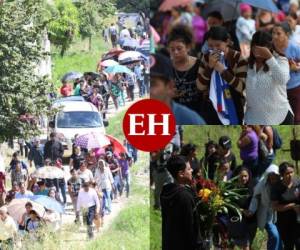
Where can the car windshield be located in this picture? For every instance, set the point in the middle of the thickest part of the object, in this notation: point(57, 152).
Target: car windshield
point(79, 119)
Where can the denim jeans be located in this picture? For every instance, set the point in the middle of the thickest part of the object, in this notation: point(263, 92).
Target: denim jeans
point(60, 184)
point(89, 220)
point(117, 185)
point(126, 178)
point(107, 203)
point(274, 241)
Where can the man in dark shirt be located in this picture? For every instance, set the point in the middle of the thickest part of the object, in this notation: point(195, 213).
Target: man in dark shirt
point(225, 152)
point(180, 219)
point(53, 149)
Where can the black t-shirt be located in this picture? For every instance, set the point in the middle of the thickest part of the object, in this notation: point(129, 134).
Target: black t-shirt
point(76, 160)
point(186, 86)
point(232, 160)
point(285, 195)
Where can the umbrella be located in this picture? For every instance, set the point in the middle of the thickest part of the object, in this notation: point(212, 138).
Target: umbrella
point(49, 172)
point(230, 8)
point(108, 63)
point(169, 4)
point(112, 54)
point(130, 56)
point(268, 5)
point(130, 42)
point(48, 203)
point(16, 208)
point(118, 69)
point(92, 140)
point(71, 76)
point(117, 145)
point(93, 75)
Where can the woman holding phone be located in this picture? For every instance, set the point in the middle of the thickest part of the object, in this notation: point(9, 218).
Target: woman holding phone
point(267, 77)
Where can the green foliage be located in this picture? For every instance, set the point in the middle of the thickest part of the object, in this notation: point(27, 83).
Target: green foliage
point(92, 14)
point(135, 6)
point(64, 25)
point(22, 90)
point(77, 58)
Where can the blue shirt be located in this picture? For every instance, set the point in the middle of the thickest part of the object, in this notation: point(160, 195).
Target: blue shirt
point(292, 52)
point(186, 116)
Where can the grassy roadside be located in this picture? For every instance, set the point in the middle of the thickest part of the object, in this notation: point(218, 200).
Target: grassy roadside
point(77, 58)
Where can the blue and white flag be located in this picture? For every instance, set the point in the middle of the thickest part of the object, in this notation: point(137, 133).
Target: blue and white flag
point(221, 98)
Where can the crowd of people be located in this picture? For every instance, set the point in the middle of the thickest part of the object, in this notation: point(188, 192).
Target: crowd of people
point(241, 71)
point(96, 179)
point(270, 201)
point(98, 87)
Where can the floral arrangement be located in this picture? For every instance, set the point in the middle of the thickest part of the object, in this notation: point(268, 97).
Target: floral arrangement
point(216, 198)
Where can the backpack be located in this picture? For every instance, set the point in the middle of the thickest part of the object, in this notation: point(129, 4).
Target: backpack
point(277, 141)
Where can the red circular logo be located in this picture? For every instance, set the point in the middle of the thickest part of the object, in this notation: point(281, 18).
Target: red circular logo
point(149, 125)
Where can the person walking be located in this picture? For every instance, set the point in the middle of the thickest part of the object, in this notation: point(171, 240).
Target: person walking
point(74, 185)
point(9, 226)
point(113, 33)
point(104, 181)
point(53, 149)
point(88, 200)
point(36, 155)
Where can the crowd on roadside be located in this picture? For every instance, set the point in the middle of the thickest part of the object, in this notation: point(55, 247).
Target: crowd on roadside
point(270, 202)
point(242, 69)
point(98, 87)
point(98, 177)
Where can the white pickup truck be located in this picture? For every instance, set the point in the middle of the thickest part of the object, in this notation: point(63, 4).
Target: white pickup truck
point(75, 116)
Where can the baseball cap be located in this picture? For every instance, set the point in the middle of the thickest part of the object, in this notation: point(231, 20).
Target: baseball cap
point(225, 142)
point(161, 66)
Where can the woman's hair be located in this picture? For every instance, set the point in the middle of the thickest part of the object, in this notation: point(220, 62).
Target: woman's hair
point(28, 204)
point(285, 27)
point(33, 212)
point(293, 15)
point(187, 149)
point(181, 33)
point(284, 166)
point(263, 39)
point(219, 33)
point(103, 162)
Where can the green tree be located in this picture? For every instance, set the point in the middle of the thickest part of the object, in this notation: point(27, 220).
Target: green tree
point(91, 15)
point(22, 90)
point(64, 25)
point(135, 6)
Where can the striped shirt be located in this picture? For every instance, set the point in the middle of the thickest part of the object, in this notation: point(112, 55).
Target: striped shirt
point(235, 75)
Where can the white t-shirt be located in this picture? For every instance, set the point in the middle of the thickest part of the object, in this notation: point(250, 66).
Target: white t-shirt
point(86, 175)
point(295, 36)
point(8, 228)
point(124, 33)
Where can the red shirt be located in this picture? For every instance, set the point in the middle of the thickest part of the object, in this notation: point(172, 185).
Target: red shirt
point(66, 90)
point(2, 180)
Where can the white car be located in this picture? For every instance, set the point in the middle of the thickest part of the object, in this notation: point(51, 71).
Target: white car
point(75, 117)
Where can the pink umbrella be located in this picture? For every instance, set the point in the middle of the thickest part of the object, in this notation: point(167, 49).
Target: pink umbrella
point(169, 4)
point(92, 140)
point(108, 63)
